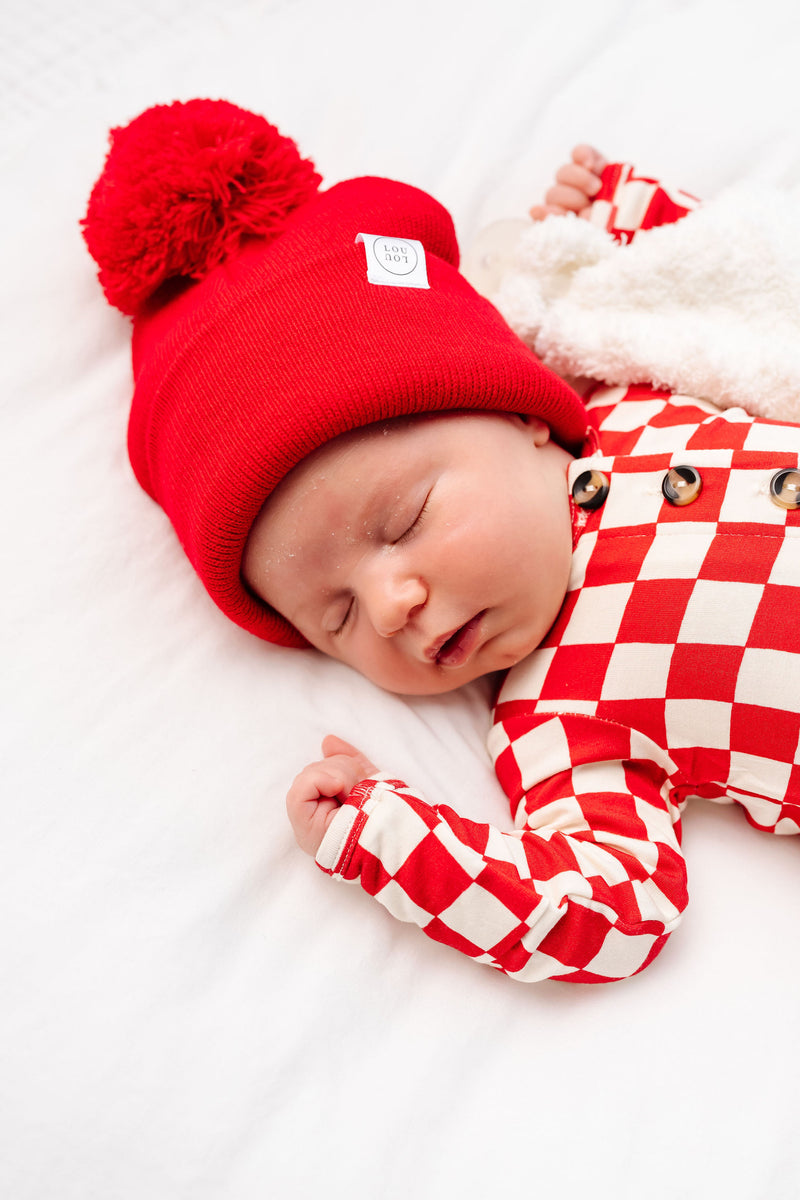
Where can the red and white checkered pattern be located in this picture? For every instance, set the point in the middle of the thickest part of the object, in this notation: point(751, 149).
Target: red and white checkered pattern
point(671, 671)
point(627, 203)
point(678, 622)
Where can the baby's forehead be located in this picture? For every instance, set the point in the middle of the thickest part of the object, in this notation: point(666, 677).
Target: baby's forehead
point(399, 443)
point(341, 479)
point(349, 482)
point(370, 451)
point(359, 450)
point(391, 427)
point(411, 425)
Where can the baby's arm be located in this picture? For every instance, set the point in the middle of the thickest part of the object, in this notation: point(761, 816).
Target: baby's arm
point(587, 887)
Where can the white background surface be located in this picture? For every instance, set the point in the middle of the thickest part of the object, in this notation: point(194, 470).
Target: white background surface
point(188, 1007)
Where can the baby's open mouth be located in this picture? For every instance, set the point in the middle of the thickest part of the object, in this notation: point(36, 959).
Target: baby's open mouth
point(458, 646)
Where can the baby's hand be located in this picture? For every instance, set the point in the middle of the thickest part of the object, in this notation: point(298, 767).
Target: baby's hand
point(321, 787)
point(577, 182)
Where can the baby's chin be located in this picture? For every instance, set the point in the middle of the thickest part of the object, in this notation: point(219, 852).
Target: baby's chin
point(503, 654)
point(439, 684)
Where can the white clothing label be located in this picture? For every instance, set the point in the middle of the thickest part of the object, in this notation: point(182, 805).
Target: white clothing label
point(396, 261)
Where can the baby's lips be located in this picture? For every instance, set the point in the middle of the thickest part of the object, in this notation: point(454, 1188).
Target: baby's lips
point(432, 651)
point(456, 649)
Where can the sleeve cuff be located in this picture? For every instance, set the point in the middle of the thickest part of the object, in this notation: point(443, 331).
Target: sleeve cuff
point(337, 837)
point(343, 832)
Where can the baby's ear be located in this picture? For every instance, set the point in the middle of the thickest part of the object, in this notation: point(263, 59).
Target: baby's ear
point(539, 431)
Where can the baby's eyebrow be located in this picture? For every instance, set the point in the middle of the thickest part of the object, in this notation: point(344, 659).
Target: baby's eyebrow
point(376, 504)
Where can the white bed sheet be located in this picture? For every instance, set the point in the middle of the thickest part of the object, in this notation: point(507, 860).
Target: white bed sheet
point(188, 1007)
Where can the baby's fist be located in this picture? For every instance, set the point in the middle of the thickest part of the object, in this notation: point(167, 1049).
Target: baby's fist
point(321, 787)
point(577, 183)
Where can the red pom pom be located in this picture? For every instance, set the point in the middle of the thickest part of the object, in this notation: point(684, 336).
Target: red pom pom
point(182, 186)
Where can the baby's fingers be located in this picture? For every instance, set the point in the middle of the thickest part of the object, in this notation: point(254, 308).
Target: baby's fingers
point(577, 181)
point(318, 781)
point(574, 188)
point(309, 821)
point(312, 801)
point(563, 198)
point(333, 745)
point(586, 156)
point(539, 211)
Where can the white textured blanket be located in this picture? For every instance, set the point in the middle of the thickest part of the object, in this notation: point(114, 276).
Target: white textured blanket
point(709, 306)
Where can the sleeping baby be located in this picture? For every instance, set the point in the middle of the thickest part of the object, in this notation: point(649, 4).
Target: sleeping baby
point(358, 454)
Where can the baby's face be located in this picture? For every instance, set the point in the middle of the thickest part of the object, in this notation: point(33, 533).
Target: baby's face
point(423, 552)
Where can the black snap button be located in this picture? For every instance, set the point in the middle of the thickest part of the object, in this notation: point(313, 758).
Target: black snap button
point(681, 485)
point(784, 489)
point(590, 489)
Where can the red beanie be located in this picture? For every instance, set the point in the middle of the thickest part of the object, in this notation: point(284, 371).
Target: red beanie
point(257, 335)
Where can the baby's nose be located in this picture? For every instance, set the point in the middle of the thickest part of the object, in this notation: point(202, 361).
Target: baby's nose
point(394, 601)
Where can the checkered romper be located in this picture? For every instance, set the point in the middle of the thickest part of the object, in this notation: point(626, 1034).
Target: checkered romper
point(672, 670)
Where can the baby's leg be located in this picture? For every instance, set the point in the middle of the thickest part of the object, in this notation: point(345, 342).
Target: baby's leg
point(577, 182)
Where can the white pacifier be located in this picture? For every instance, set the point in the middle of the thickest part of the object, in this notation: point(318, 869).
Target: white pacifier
point(491, 253)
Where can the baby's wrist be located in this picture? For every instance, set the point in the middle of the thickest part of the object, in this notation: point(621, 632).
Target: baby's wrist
point(345, 827)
